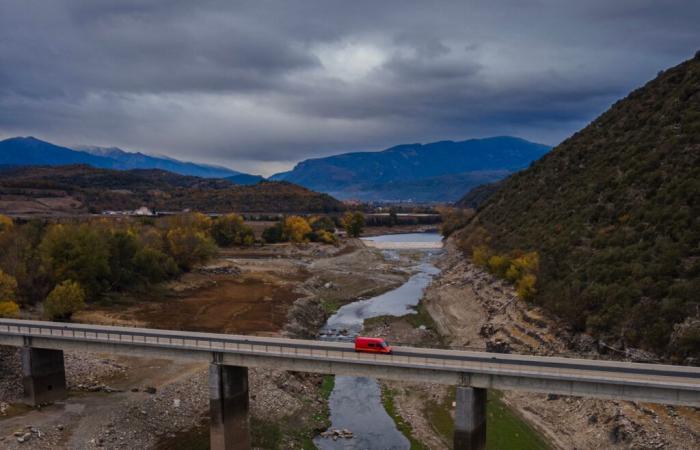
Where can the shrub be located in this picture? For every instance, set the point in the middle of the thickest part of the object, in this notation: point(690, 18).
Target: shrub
point(153, 265)
point(324, 223)
point(230, 230)
point(525, 287)
point(6, 224)
point(295, 229)
point(8, 287)
point(273, 234)
point(189, 246)
point(79, 253)
point(354, 223)
point(9, 309)
point(66, 299)
point(323, 236)
point(520, 269)
point(481, 255)
point(498, 265)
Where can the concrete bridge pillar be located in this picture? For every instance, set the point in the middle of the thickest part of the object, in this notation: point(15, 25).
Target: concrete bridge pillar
point(228, 403)
point(470, 419)
point(43, 375)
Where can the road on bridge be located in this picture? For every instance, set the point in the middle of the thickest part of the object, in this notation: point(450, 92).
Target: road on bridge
point(595, 378)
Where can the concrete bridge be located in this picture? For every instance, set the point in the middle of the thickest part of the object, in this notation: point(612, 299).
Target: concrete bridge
point(230, 356)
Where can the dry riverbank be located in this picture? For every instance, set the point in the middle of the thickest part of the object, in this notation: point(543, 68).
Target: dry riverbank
point(132, 403)
point(473, 309)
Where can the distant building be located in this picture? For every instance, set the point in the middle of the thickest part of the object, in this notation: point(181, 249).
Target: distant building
point(144, 211)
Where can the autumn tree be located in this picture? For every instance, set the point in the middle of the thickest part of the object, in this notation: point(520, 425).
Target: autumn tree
point(6, 224)
point(8, 287)
point(8, 292)
point(295, 229)
point(80, 253)
point(520, 268)
point(354, 223)
point(323, 230)
point(192, 220)
point(64, 300)
point(189, 246)
point(231, 230)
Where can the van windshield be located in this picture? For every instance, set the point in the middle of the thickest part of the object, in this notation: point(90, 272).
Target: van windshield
point(384, 345)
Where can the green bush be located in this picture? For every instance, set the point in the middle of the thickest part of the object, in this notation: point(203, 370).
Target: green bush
point(231, 230)
point(66, 299)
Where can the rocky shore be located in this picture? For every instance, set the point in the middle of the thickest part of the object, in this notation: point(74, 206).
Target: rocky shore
point(473, 309)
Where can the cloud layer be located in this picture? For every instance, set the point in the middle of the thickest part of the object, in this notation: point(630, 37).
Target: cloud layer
point(257, 85)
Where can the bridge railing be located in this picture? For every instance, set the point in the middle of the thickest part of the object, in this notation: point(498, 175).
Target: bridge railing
point(451, 360)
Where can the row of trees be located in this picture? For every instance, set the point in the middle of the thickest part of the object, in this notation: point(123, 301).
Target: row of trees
point(314, 229)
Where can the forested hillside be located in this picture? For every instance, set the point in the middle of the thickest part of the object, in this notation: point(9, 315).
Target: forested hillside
point(79, 188)
point(614, 216)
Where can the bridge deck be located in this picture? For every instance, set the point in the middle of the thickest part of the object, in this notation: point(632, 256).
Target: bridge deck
point(603, 379)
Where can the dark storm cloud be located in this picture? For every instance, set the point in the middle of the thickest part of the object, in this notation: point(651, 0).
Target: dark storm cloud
point(259, 84)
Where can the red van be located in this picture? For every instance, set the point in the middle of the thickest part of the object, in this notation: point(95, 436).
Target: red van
point(371, 345)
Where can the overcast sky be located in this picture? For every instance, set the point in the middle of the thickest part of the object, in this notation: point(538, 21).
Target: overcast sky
point(259, 85)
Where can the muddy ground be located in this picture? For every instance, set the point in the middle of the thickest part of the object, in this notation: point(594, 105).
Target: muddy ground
point(118, 402)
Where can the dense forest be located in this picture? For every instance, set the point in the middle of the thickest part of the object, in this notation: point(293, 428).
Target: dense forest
point(80, 188)
point(613, 218)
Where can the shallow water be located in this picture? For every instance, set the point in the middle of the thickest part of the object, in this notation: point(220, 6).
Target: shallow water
point(397, 302)
point(355, 403)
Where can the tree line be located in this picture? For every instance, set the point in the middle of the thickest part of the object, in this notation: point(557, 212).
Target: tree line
point(314, 229)
point(62, 265)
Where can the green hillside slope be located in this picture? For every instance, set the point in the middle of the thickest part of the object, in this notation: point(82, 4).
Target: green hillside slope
point(614, 213)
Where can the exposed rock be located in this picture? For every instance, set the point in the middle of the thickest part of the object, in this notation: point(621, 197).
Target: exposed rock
point(336, 434)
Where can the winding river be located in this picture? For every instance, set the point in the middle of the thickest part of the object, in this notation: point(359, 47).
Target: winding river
point(355, 403)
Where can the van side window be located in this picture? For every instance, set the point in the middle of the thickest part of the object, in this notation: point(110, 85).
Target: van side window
point(370, 345)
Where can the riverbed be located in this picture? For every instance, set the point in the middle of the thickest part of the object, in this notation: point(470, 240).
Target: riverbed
point(355, 403)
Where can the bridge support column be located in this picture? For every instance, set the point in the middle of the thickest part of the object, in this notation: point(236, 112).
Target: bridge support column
point(228, 403)
point(43, 375)
point(470, 419)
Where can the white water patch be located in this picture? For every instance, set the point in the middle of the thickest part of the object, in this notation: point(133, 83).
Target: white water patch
point(405, 241)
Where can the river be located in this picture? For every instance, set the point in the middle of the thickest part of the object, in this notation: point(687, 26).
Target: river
point(355, 403)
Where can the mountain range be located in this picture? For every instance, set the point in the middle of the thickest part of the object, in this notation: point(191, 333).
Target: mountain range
point(614, 215)
point(436, 172)
point(29, 151)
